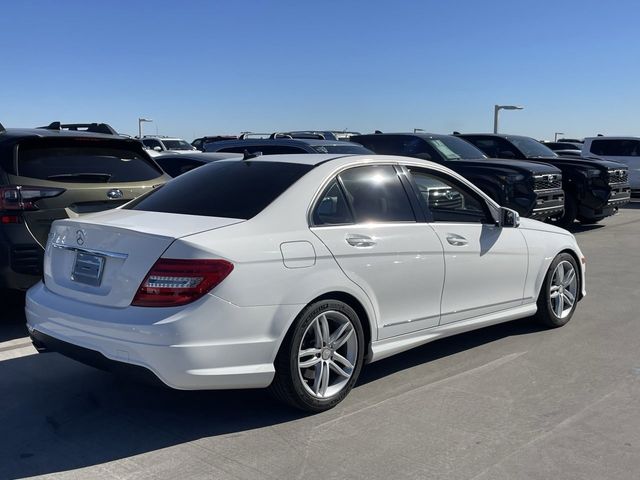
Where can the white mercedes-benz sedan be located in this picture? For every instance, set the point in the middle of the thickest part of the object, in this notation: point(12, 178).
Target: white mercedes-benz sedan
point(292, 272)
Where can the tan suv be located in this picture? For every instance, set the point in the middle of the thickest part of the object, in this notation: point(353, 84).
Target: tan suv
point(48, 174)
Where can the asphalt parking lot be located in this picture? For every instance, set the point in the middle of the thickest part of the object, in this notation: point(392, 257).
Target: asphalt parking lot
point(508, 402)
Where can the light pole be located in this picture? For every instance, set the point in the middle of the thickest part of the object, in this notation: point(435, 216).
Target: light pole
point(140, 120)
point(497, 108)
point(555, 136)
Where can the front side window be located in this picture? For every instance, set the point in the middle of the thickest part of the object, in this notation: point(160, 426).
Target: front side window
point(332, 209)
point(376, 194)
point(177, 145)
point(448, 201)
point(151, 143)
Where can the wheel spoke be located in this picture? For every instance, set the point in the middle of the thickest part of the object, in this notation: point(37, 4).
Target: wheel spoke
point(560, 274)
point(340, 341)
point(315, 358)
point(310, 363)
point(569, 298)
point(336, 368)
point(335, 335)
point(569, 278)
point(340, 359)
point(324, 328)
point(559, 306)
point(324, 379)
point(318, 332)
point(317, 380)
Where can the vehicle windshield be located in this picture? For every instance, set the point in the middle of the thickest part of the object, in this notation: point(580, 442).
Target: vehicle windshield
point(177, 145)
point(346, 149)
point(228, 189)
point(453, 148)
point(532, 148)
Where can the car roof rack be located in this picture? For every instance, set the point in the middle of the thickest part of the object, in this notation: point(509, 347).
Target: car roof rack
point(307, 134)
point(2, 129)
point(156, 136)
point(82, 127)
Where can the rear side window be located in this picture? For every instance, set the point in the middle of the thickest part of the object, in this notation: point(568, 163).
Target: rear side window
point(177, 166)
point(84, 164)
point(332, 209)
point(229, 189)
point(376, 194)
point(616, 148)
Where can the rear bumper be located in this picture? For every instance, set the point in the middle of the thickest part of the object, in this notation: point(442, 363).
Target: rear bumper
point(210, 344)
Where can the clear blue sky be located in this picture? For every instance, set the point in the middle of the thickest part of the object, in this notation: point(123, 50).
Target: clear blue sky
point(205, 67)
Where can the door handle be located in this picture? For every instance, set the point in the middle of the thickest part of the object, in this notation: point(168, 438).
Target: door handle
point(356, 240)
point(456, 240)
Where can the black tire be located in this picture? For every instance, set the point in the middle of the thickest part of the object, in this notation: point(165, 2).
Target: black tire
point(589, 221)
point(546, 314)
point(288, 385)
point(570, 212)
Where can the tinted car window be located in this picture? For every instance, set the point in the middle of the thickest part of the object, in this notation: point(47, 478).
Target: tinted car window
point(396, 145)
point(346, 149)
point(177, 145)
point(85, 165)
point(177, 166)
point(332, 209)
point(453, 148)
point(230, 189)
point(448, 201)
point(494, 147)
point(151, 143)
point(616, 148)
point(531, 147)
point(376, 194)
point(265, 149)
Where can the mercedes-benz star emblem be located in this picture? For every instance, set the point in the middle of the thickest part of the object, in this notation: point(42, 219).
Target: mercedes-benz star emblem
point(115, 193)
point(80, 237)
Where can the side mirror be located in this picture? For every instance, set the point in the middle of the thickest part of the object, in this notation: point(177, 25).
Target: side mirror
point(157, 149)
point(509, 218)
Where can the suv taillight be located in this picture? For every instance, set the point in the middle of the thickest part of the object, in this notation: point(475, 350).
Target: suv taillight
point(18, 197)
point(172, 282)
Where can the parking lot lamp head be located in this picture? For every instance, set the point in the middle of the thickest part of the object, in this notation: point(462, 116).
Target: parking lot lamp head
point(140, 121)
point(497, 108)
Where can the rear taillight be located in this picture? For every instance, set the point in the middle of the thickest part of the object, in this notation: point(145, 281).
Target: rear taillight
point(172, 282)
point(17, 197)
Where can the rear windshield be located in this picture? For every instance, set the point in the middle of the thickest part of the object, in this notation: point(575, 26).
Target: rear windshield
point(177, 145)
point(229, 189)
point(345, 149)
point(85, 165)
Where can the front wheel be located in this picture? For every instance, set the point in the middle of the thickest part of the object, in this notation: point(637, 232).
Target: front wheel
point(321, 357)
point(559, 293)
point(570, 212)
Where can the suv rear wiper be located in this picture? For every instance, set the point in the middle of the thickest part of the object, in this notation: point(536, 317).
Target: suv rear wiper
point(80, 177)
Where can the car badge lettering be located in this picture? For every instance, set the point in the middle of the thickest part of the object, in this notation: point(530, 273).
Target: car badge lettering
point(81, 237)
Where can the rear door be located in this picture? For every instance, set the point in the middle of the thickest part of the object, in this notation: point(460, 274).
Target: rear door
point(95, 175)
point(367, 221)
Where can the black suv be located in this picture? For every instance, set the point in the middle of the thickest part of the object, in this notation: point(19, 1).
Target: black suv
point(532, 189)
point(594, 189)
point(277, 145)
point(48, 174)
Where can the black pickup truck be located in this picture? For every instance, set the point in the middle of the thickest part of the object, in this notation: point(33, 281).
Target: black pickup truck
point(532, 189)
point(594, 189)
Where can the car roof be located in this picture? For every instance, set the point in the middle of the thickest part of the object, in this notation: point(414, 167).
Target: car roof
point(281, 141)
point(203, 156)
point(405, 134)
point(607, 137)
point(46, 133)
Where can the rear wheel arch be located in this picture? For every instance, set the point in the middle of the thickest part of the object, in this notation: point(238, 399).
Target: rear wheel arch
point(365, 318)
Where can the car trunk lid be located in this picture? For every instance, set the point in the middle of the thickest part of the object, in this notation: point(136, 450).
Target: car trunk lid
point(102, 258)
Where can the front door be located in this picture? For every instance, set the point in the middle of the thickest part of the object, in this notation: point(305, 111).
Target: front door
point(486, 265)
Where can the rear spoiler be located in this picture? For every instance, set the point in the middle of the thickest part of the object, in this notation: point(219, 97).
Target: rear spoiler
point(82, 127)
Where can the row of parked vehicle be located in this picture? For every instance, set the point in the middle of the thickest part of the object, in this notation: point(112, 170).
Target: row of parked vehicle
point(65, 170)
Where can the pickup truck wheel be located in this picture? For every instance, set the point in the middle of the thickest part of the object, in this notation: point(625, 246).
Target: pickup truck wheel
point(559, 293)
point(321, 357)
point(587, 221)
point(570, 212)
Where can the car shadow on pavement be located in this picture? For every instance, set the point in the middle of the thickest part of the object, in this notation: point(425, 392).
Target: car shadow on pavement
point(58, 415)
point(446, 347)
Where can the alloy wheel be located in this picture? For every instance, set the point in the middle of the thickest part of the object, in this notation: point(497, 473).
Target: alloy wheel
point(563, 289)
point(327, 354)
